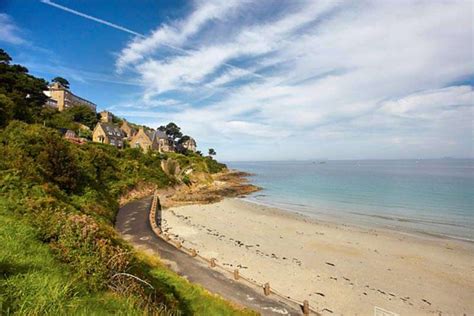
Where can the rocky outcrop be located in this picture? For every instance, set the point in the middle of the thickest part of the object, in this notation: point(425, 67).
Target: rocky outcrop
point(221, 185)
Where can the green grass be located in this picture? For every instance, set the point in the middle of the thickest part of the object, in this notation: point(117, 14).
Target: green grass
point(33, 282)
point(194, 299)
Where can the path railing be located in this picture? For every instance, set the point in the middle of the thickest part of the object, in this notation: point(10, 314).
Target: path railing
point(155, 221)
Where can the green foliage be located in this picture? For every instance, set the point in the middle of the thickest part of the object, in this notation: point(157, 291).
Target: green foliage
point(186, 180)
point(20, 89)
point(212, 152)
point(198, 163)
point(6, 109)
point(184, 139)
point(68, 254)
point(41, 154)
point(55, 119)
point(34, 282)
point(117, 120)
point(214, 166)
point(85, 133)
point(172, 130)
point(70, 118)
point(82, 114)
point(58, 202)
point(69, 193)
point(61, 81)
point(4, 57)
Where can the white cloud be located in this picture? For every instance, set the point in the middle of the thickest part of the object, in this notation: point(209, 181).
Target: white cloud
point(315, 71)
point(173, 35)
point(9, 32)
point(428, 104)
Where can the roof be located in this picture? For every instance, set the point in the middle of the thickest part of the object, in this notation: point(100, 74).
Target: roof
point(125, 123)
point(111, 130)
point(149, 133)
point(160, 135)
point(70, 133)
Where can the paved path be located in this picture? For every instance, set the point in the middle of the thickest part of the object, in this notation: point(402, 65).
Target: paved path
point(133, 224)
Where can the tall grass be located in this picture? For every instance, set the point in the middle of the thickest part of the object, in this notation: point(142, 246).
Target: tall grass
point(34, 282)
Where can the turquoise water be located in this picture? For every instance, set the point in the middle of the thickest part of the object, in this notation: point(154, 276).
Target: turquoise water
point(429, 196)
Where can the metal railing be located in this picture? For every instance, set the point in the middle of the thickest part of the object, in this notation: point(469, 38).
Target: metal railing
point(236, 275)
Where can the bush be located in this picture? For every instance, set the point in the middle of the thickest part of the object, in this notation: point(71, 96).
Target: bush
point(69, 194)
point(213, 166)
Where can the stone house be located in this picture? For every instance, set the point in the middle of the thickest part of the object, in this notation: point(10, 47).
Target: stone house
point(71, 136)
point(165, 143)
point(151, 140)
point(106, 133)
point(62, 98)
point(144, 140)
point(128, 130)
point(190, 144)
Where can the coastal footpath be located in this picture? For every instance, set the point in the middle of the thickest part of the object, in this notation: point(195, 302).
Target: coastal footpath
point(339, 268)
point(133, 224)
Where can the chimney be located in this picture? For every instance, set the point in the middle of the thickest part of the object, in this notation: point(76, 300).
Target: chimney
point(105, 117)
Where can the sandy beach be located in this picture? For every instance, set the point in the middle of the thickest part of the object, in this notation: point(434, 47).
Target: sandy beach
point(339, 268)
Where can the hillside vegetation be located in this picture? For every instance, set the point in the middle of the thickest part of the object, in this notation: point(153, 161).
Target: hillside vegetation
point(60, 254)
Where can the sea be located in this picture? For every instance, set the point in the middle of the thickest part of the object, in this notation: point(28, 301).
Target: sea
point(433, 197)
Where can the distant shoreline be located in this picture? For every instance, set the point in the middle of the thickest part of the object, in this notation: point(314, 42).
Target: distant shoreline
point(337, 220)
point(428, 198)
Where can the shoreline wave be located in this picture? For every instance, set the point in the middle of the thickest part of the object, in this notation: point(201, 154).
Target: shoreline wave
point(313, 213)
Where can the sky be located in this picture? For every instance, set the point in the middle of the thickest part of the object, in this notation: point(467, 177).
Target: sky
point(262, 79)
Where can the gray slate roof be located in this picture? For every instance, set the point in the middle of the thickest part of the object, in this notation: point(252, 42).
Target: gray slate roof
point(160, 135)
point(112, 131)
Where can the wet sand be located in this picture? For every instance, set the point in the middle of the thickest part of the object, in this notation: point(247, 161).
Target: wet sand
point(340, 269)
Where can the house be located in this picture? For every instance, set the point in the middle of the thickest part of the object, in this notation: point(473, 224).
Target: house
point(51, 103)
point(152, 140)
point(165, 143)
point(189, 144)
point(107, 133)
point(128, 130)
point(144, 139)
point(106, 117)
point(71, 136)
point(65, 98)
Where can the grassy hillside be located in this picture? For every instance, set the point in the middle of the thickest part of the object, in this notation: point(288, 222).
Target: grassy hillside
point(60, 253)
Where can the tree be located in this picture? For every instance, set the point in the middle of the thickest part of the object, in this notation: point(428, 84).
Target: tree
point(41, 154)
point(62, 119)
point(6, 110)
point(4, 57)
point(183, 139)
point(23, 96)
point(83, 114)
point(172, 130)
point(61, 81)
point(212, 152)
point(117, 120)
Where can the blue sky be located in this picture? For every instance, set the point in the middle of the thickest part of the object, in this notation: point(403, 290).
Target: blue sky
point(266, 80)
